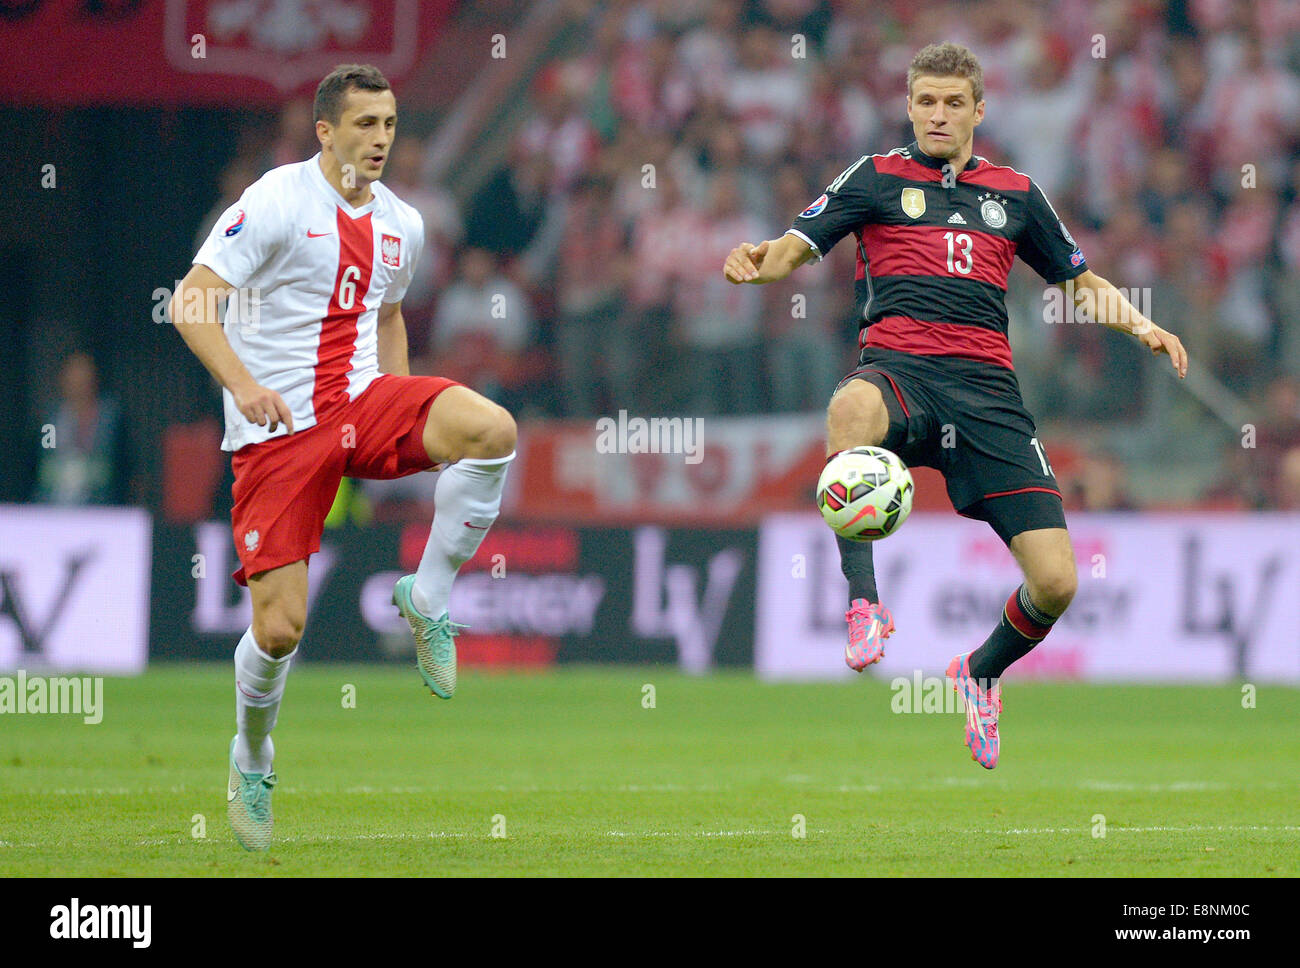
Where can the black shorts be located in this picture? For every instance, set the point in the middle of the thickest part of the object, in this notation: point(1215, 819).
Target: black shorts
point(966, 419)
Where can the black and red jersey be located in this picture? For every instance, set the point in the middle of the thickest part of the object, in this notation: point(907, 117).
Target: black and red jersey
point(935, 248)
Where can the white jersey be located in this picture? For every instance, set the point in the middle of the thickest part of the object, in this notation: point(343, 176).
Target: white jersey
point(310, 272)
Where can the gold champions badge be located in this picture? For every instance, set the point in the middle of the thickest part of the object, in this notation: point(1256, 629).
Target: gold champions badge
point(913, 202)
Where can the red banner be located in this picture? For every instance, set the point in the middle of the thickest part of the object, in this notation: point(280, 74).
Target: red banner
point(717, 472)
point(146, 52)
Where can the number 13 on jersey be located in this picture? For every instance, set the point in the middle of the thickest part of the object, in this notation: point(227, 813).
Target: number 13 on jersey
point(961, 243)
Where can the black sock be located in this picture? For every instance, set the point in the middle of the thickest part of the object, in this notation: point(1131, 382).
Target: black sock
point(859, 568)
point(1022, 627)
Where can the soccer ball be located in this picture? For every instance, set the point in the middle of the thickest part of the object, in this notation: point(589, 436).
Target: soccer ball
point(865, 493)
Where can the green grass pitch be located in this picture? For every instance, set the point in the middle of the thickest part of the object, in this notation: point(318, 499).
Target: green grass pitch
point(583, 779)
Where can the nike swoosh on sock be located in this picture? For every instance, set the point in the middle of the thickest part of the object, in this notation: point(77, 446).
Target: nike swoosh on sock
point(251, 695)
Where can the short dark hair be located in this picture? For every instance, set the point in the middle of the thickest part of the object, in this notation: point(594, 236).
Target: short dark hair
point(333, 90)
point(947, 60)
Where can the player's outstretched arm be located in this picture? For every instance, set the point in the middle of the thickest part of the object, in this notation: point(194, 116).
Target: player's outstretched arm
point(1110, 307)
point(194, 313)
point(769, 261)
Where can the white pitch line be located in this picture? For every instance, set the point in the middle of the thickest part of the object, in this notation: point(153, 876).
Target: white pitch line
point(102, 791)
point(314, 838)
point(380, 791)
point(706, 833)
point(878, 786)
point(623, 834)
point(1187, 786)
point(663, 788)
point(1191, 829)
point(612, 833)
point(370, 789)
point(307, 838)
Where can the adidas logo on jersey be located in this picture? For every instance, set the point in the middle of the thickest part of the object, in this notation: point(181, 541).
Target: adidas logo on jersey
point(956, 219)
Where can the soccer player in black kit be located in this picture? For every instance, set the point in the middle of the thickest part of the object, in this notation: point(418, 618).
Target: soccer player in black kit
point(936, 229)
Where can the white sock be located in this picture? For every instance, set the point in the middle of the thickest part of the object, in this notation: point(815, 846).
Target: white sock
point(259, 686)
point(466, 502)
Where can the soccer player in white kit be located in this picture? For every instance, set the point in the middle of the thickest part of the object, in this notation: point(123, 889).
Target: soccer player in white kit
point(313, 364)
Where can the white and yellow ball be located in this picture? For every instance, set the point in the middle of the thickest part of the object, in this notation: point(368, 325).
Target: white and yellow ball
point(865, 493)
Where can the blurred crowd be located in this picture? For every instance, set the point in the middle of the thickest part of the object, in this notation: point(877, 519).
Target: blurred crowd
point(583, 276)
point(1164, 134)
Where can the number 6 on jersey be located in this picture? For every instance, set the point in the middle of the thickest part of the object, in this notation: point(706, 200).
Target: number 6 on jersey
point(348, 287)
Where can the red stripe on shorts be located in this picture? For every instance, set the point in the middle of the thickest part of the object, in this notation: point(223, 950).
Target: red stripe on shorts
point(901, 402)
point(338, 330)
point(1023, 490)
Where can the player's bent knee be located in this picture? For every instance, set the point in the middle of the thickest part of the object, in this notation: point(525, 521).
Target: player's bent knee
point(1054, 592)
point(500, 436)
point(463, 423)
point(488, 431)
point(277, 641)
point(278, 634)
